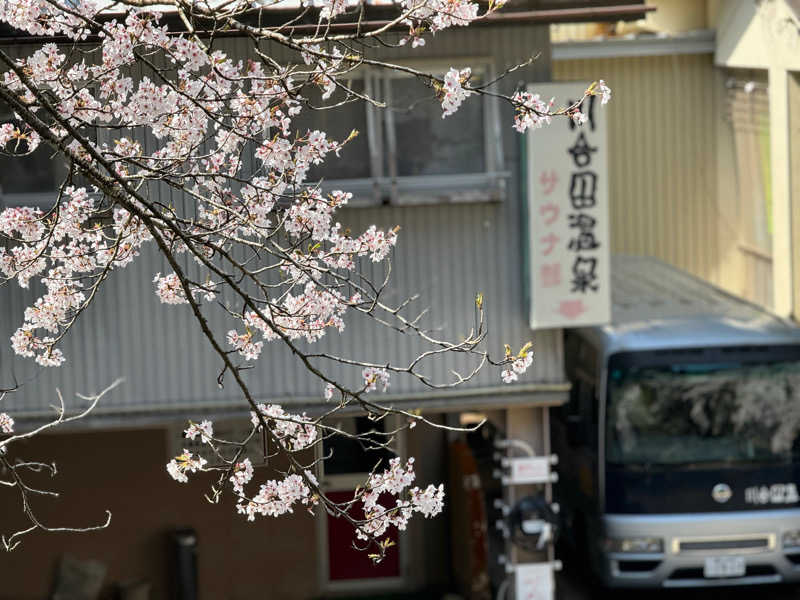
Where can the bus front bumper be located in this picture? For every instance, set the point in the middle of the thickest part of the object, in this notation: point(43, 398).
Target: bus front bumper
point(702, 549)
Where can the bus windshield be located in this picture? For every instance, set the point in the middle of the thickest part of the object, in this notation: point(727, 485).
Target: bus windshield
point(696, 414)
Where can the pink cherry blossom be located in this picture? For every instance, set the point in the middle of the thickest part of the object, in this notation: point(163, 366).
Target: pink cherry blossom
point(453, 92)
point(205, 429)
point(603, 91)
point(6, 423)
point(185, 463)
point(374, 377)
point(242, 474)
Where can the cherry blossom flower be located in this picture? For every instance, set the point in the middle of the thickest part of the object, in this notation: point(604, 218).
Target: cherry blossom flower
point(603, 91)
point(453, 93)
point(429, 501)
point(242, 474)
point(169, 290)
point(332, 8)
point(578, 117)
point(521, 364)
point(276, 498)
point(6, 423)
point(295, 432)
point(531, 112)
point(185, 463)
point(508, 376)
point(205, 430)
point(374, 377)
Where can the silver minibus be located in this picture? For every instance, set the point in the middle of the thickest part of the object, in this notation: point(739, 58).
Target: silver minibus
point(679, 449)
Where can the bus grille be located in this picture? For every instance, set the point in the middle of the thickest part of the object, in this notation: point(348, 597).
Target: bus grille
point(733, 545)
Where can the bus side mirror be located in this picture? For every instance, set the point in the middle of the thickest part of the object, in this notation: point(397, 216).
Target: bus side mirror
point(576, 430)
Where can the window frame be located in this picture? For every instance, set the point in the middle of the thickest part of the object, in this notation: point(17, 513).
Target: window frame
point(347, 482)
point(489, 185)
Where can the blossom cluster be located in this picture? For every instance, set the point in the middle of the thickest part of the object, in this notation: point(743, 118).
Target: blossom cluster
point(295, 432)
point(436, 15)
point(386, 501)
point(65, 252)
point(453, 92)
point(242, 474)
point(531, 111)
point(518, 366)
point(185, 463)
point(278, 497)
point(73, 247)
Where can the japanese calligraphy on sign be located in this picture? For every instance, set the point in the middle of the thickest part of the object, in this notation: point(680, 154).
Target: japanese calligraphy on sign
point(568, 217)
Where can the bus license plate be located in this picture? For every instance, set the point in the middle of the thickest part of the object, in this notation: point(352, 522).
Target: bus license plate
point(724, 566)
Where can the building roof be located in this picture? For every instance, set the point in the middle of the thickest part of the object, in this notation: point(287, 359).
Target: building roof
point(378, 13)
point(656, 306)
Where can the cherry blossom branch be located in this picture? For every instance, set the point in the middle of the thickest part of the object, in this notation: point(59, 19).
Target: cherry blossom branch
point(263, 236)
point(12, 470)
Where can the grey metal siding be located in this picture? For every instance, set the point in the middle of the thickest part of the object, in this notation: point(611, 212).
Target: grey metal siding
point(446, 252)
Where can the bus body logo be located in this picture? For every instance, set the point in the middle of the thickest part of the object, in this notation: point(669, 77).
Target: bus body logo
point(721, 492)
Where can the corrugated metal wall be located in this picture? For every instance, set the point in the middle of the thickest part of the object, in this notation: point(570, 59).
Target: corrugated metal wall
point(662, 160)
point(447, 253)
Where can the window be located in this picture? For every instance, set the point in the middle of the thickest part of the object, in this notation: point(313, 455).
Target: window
point(747, 119)
point(31, 179)
point(407, 153)
point(342, 568)
point(349, 456)
point(34, 179)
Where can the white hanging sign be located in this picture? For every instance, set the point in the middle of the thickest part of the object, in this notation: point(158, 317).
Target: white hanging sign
point(534, 581)
point(528, 469)
point(568, 215)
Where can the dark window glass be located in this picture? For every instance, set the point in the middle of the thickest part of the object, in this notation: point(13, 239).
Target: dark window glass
point(427, 144)
point(352, 456)
point(353, 161)
point(36, 172)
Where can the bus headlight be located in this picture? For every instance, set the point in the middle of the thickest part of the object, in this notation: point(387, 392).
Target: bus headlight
point(637, 545)
point(791, 539)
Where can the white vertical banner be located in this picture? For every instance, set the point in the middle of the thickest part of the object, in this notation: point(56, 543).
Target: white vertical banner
point(568, 215)
point(534, 581)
